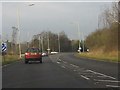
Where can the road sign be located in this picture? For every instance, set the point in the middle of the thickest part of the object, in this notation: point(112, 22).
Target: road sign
point(4, 47)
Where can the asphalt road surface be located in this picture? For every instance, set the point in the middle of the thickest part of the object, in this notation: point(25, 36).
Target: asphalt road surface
point(61, 71)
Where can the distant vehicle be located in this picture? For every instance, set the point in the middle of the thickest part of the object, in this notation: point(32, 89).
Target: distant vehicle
point(44, 54)
point(81, 50)
point(54, 52)
point(33, 54)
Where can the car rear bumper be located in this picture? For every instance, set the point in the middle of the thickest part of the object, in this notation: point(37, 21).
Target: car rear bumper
point(33, 59)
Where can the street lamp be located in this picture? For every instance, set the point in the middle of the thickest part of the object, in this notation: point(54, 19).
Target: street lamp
point(59, 42)
point(39, 40)
point(18, 26)
point(48, 44)
point(42, 43)
point(79, 49)
point(83, 45)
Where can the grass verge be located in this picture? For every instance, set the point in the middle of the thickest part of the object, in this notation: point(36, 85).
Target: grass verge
point(7, 59)
point(103, 57)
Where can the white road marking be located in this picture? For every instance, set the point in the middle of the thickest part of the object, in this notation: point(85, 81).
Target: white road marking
point(74, 65)
point(64, 62)
point(63, 66)
point(112, 86)
point(74, 70)
point(85, 77)
point(101, 74)
point(106, 81)
point(58, 62)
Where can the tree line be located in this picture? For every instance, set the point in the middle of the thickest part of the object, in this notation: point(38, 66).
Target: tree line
point(56, 42)
point(106, 38)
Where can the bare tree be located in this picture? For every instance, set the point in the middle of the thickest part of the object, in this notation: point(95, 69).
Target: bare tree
point(110, 15)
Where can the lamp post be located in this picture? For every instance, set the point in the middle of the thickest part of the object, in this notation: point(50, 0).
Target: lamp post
point(42, 44)
point(59, 42)
point(28, 40)
point(48, 44)
point(83, 45)
point(78, 30)
point(18, 26)
point(39, 41)
point(79, 37)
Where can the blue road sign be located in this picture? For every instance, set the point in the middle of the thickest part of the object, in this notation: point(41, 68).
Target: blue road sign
point(4, 47)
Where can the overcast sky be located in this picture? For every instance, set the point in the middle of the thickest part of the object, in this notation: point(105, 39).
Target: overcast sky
point(56, 17)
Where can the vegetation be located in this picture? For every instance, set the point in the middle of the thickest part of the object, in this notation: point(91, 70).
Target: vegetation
point(9, 59)
point(103, 43)
point(102, 57)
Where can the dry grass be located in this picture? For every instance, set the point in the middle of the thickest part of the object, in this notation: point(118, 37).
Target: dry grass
point(9, 59)
point(110, 56)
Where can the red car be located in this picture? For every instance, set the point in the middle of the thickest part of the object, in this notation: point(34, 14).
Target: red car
point(33, 54)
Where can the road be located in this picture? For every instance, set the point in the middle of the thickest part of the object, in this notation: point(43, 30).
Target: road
point(61, 71)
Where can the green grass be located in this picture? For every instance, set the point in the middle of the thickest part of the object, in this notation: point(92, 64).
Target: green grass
point(7, 59)
point(104, 57)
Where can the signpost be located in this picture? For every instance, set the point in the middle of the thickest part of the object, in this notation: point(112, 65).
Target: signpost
point(4, 49)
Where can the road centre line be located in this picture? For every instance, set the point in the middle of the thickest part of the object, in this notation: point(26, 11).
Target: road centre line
point(112, 86)
point(100, 74)
point(85, 77)
point(106, 81)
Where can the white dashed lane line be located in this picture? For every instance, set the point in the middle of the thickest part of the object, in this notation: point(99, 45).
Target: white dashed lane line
point(74, 65)
point(64, 62)
point(58, 62)
point(112, 86)
point(63, 66)
point(107, 81)
point(85, 77)
point(96, 73)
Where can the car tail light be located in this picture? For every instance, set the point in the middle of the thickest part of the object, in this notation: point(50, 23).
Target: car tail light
point(26, 53)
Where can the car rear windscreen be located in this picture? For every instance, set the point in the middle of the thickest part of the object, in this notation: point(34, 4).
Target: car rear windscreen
point(33, 50)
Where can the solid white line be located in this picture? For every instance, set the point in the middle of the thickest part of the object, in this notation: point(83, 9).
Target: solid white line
point(101, 74)
point(106, 81)
point(85, 77)
point(112, 86)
